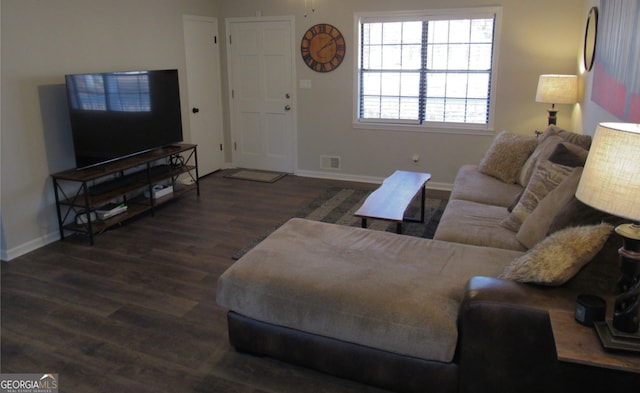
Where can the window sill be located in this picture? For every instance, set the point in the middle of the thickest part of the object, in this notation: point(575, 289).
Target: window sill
point(440, 128)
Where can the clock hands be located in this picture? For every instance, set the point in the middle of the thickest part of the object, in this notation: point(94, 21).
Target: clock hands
point(331, 41)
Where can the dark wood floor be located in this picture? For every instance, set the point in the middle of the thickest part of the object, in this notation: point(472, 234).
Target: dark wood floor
point(136, 312)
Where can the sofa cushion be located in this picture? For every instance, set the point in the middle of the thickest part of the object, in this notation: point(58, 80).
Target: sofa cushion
point(601, 274)
point(581, 140)
point(546, 177)
point(471, 185)
point(476, 223)
point(536, 225)
point(506, 155)
point(568, 154)
point(576, 213)
point(542, 152)
point(392, 292)
point(565, 153)
point(560, 256)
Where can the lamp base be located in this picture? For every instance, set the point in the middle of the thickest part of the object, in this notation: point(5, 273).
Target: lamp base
point(553, 115)
point(613, 339)
point(626, 316)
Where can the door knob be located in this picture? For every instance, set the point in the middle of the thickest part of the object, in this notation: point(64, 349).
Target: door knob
point(287, 107)
point(195, 110)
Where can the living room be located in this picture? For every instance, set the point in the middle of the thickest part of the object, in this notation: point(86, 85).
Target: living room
point(159, 321)
point(536, 38)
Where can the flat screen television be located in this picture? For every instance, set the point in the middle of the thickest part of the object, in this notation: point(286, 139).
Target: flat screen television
point(119, 114)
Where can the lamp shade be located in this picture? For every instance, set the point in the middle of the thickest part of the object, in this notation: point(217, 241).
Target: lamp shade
point(611, 178)
point(557, 89)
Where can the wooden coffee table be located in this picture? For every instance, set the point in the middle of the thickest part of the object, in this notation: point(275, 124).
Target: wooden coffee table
point(390, 201)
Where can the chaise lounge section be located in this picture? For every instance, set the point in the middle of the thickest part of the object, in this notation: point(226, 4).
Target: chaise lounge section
point(411, 314)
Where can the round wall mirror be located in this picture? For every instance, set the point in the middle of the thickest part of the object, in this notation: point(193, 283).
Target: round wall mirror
point(590, 38)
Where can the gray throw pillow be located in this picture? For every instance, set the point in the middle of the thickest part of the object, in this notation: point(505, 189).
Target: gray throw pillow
point(581, 140)
point(535, 227)
point(542, 152)
point(569, 154)
point(545, 178)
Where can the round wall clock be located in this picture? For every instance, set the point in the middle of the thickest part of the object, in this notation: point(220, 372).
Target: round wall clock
point(323, 47)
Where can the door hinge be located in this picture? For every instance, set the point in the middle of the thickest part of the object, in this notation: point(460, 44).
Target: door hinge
point(215, 39)
point(233, 94)
point(235, 146)
point(230, 41)
point(221, 147)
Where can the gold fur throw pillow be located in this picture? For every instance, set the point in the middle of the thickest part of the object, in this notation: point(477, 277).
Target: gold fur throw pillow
point(506, 156)
point(558, 258)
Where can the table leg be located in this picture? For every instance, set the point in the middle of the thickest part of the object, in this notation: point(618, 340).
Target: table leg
point(422, 204)
point(364, 222)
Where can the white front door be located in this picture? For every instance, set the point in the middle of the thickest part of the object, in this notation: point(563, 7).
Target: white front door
point(262, 102)
point(203, 82)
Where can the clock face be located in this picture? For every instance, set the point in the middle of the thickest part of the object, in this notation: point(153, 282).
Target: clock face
point(323, 48)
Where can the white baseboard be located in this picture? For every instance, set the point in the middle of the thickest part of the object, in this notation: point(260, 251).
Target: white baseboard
point(32, 245)
point(8, 255)
point(364, 179)
point(339, 176)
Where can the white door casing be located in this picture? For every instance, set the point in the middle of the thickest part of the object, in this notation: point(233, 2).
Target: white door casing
point(262, 92)
point(204, 92)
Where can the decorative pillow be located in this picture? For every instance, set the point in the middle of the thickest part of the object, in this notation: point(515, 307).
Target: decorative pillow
point(515, 201)
point(536, 225)
point(576, 213)
point(560, 256)
point(581, 140)
point(568, 154)
point(542, 152)
point(546, 177)
point(506, 155)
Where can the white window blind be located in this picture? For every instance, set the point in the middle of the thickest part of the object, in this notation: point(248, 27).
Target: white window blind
point(421, 69)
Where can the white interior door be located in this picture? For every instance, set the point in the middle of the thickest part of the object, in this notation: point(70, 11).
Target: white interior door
point(262, 81)
point(203, 83)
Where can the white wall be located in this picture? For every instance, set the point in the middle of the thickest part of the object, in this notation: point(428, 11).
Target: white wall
point(42, 40)
point(537, 37)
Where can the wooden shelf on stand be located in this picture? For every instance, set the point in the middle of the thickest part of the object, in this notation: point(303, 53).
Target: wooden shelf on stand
point(79, 192)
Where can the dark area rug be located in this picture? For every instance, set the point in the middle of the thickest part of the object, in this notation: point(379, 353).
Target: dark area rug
point(337, 205)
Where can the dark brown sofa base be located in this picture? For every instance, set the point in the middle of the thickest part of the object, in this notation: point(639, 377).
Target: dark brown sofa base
point(506, 345)
point(342, 359)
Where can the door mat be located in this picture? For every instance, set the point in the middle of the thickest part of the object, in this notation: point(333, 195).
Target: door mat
point(256, 175)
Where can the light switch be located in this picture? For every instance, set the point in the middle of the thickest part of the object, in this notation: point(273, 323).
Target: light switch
point(305, 83)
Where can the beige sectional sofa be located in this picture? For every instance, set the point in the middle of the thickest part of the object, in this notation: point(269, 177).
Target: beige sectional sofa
point(412, 314)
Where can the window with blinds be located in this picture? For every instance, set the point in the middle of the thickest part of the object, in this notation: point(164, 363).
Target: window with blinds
point(427, 69)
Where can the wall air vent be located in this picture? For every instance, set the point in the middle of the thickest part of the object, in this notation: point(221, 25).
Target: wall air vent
point(330, 162)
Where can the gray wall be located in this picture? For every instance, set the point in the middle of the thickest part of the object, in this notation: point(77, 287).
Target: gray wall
point(44, 39)
point(537, 37)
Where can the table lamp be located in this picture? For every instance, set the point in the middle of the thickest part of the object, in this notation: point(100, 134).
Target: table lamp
point(610, 182)
point(557, 89)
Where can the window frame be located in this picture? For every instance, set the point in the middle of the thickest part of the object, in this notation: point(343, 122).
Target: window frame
point(436, 14)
